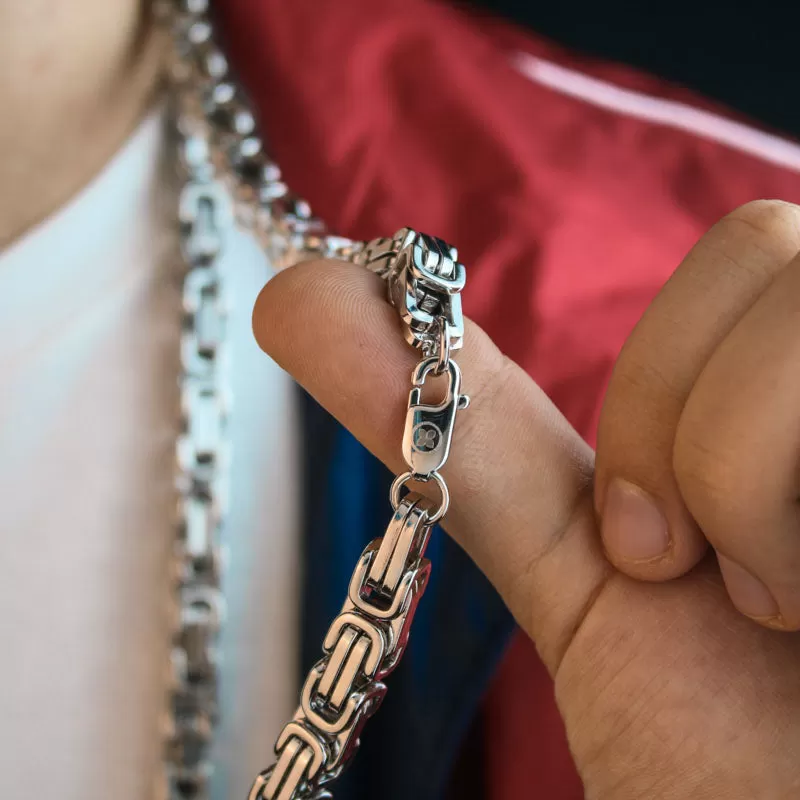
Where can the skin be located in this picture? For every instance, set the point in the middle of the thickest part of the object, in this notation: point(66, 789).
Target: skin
point(667, 689)
point(75, 80)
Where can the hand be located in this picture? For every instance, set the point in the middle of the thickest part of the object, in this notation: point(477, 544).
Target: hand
point(666, 689)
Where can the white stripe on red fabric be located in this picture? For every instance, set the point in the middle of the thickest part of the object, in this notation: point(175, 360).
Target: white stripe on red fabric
point(681, 116)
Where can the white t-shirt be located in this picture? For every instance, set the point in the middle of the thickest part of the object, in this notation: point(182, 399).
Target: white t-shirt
point(89, 317)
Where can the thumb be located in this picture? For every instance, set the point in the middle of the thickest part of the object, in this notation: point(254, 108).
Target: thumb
point(519, 475)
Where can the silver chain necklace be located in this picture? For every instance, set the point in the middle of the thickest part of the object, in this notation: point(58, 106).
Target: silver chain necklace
point(227, 176)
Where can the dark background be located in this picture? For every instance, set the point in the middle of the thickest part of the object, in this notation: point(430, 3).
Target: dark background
point(744, 54)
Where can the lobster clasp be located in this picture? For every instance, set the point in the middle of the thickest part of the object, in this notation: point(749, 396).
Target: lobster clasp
point(429, 427)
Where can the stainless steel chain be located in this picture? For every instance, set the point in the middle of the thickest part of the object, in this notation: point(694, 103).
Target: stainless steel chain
point(227, 174)
point(213, 112)
point(226, 177)
point(368, 637)
point(202, 474)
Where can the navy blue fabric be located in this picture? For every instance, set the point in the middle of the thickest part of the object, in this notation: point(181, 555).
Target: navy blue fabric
point(460, 630)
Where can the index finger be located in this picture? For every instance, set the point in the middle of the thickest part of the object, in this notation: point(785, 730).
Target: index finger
point(518, 473)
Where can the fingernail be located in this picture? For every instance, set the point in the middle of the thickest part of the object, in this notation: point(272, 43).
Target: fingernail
point(747, 592)
point(633, 527)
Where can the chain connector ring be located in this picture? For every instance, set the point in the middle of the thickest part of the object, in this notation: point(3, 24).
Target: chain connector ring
point(401, 480)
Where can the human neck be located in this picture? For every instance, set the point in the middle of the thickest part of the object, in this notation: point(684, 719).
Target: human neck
point(75, 79)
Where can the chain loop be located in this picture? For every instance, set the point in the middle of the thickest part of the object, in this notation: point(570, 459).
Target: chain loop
point(401, 480)
point(219, 132)
point(229, 176)
point(202, 453)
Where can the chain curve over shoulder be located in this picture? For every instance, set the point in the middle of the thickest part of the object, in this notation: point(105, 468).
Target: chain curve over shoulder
point(227, 173)
point(212, 113)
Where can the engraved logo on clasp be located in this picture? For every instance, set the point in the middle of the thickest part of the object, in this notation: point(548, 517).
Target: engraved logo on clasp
point(427, 437)
point(429, 426)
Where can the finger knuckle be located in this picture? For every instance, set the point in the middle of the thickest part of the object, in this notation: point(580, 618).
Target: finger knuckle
point(634, 413)
point(642, 377)
point(710, 474)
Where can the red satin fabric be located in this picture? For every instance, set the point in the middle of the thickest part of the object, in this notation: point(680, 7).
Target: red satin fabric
point(386, 113)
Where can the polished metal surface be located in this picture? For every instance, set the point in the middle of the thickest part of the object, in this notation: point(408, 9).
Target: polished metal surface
point(424, 280)
point(229, 177)
point(202, 472)
point(363, 645)
point(365, 642)
point(214, 115)
point(226, 178)
point(429, 426)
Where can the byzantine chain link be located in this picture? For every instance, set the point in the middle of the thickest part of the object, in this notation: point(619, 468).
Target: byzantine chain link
point(212, 111)
point(227, 177)
point(230, 176)
point(202, 473)
point(424, 279)
point(362, 646)
point(367, 639)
